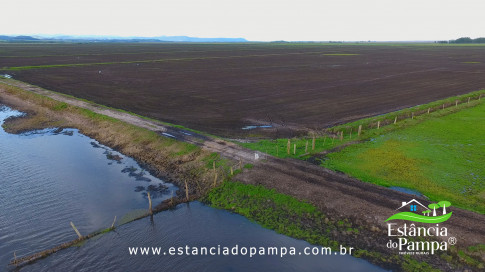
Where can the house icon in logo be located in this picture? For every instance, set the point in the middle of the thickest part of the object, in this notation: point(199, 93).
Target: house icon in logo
point(413, 209)
point(413, 206)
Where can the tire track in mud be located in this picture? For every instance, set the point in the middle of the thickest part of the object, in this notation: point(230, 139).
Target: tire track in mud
point(346, 197)
point(334, 193)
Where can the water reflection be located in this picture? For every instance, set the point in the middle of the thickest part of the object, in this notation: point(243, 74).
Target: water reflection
point(132, 172)
point(194, 225)
point(53, 176)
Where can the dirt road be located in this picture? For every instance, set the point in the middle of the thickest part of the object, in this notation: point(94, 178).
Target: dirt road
point(226, 149)
point(344, 197)
point(334, 193)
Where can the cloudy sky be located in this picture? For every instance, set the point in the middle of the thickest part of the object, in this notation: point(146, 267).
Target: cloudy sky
point(256, 20)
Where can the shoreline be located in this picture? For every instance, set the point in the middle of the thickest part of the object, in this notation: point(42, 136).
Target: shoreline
point(194, 165)
point(168, 159)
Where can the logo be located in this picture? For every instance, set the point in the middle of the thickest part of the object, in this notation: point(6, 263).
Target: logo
point(414, 206)
point(406, 239)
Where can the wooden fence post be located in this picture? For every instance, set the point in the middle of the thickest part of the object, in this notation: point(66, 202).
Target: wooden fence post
point(186, 191)
point(149, 203)
point(288, 146)
point(456, 103)
point(341, 135)
point(443, 106)
point(429, 110)
point(294, 149)
point(378, 124)
point(360, 130)
point(113, 225)
point(468, 100)
point(306, 147)
point(171, 197)
point(215, 179)
point(75, 229)
point(412, 115)
point(395, 120)
point(313, 143)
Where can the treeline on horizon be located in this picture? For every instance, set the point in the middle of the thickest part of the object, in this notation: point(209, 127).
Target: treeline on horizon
point(168, 39)
point(464, 40)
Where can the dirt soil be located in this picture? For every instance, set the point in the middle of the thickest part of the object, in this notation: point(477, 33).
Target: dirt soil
point(221, 88)
point(336, 194)
point(346, 197)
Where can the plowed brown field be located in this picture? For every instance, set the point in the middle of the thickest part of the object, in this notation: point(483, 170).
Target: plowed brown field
point(220, 88)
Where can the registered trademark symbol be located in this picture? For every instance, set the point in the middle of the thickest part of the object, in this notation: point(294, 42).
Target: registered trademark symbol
point(452, 240)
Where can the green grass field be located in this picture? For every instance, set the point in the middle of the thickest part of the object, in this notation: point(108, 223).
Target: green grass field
point(278, 147)
point(329, 139)
point(441, 157)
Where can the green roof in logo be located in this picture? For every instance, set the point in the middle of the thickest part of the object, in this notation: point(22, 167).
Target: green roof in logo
point(426, 217)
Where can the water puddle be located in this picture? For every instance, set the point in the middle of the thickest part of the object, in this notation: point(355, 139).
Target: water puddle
point(406, 190)
point(256, 126)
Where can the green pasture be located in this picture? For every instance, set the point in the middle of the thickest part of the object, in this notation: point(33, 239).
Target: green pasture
point(348, 133)
point(437, 149)
point(442, 157)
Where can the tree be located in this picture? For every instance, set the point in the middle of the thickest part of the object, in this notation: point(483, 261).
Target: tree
point(433, 206)
point(463, 40)
point(427, 212)
point(467, 40)
point(479, 40)
point(444, 204)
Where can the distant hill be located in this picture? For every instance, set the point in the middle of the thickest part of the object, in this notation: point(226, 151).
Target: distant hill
point(17, 38)
point(66, 38)
point(195, 39)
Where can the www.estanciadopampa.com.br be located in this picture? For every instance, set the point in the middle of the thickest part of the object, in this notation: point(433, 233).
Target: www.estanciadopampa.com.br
point(237, 250)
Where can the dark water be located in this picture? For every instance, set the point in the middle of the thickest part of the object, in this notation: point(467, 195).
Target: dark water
point(256, 126)
point(193, 225)
point(50, 177)
point(406, 190)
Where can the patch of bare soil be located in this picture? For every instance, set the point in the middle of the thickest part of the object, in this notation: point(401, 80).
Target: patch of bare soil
point(337, 195)
point(222, 88)
point(365, 204)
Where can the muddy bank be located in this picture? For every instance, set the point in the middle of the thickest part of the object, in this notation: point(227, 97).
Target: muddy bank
point(171, 160)
point(365, 207)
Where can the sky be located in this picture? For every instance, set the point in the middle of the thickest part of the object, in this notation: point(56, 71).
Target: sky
point(254, 20)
